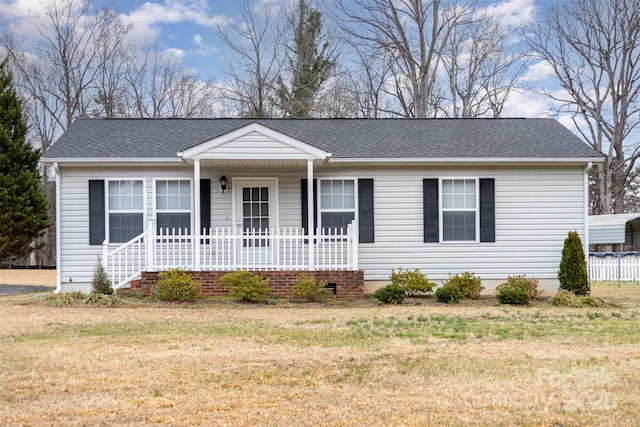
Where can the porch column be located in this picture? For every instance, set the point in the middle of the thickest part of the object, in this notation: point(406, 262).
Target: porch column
point(196, 216)
point(310, 222)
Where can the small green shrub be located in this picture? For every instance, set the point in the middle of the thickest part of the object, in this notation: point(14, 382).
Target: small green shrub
point(573, 266)
point(448, 293)
point(390, 294)
point(246, 286)
point(412, 281)
point(306, 288)
point(100, 284)
point(469, 285)
point(176, 285)
point(529, 284)
point(508, 294)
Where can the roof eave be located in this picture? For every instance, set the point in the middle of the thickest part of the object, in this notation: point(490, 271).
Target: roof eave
point(467, 160)
point(109, 160)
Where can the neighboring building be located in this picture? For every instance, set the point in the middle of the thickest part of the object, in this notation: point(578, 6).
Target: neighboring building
point(496, 197)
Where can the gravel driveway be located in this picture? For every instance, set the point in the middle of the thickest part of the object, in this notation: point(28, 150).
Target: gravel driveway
point(22, 289)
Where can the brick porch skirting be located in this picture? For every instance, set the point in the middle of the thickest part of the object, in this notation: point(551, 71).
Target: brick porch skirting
point(349, 284)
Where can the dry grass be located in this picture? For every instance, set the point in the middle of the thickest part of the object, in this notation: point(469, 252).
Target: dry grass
point(27, 277)
point(480, 364)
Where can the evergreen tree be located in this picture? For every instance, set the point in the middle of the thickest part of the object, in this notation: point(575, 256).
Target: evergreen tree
point(23, 207)
point(101, 284)
point(311, 64)
point(573, 266)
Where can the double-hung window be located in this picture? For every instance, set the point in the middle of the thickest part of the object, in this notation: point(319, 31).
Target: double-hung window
point(460, 214)
point(125, 210)
point(337, 204)
point(173, 205)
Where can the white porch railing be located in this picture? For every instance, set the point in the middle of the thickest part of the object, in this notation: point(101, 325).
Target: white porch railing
point(125, 263)
point(615, 266)
point(228, 249)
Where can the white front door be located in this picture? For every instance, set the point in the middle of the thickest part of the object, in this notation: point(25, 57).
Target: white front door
point(255, 214)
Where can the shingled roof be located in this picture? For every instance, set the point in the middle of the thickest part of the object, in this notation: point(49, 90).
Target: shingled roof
point(344, 138)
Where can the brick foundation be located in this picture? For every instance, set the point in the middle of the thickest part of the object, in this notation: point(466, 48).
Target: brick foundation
point(349, 284)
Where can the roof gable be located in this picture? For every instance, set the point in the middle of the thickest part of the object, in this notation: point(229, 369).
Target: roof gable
point(254, 141)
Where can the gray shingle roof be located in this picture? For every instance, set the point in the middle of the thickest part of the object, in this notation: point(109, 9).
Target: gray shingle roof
point(344, 138)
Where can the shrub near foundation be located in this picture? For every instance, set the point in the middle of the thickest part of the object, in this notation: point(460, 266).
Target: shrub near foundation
point(100, 284)
point(176, 285)
point(413, 282)
point(517, 290)
point(390, 294)
point(573, 266)
point(306, 288)
point(448, 293)
point(246, 286)
point(467, 283)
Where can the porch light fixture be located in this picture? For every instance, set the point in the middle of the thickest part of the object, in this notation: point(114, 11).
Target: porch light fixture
point(223, 183)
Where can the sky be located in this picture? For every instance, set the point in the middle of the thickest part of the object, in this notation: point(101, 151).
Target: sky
point(187, 29)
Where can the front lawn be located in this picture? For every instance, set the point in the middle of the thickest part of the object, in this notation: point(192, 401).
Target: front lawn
point(420, 363)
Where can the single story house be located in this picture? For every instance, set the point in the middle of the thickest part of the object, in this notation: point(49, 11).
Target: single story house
point(496, 197)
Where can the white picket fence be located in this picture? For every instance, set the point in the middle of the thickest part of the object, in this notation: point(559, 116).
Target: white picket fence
point(229, 249)
point(623, 266)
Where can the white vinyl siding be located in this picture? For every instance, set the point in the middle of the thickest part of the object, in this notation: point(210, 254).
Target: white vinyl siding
point(535, 208)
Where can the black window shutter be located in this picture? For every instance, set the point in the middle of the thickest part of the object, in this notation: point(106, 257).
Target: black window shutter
point(430, 210)
point(96, 212)
point(205, 204)
point(487, 210)
point(305, 204)
point(365, 210)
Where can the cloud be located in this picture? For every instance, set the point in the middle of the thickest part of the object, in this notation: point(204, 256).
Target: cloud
point(174, 12)
point(22, 18)
point(526, 103)
point(538, 71)
point(174, 53)
point(202, 48)
point(513, 13)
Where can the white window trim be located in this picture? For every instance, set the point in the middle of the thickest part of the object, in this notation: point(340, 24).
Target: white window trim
point(191, 204)
point(107, 205)
point(321, 210)
point(441, 209)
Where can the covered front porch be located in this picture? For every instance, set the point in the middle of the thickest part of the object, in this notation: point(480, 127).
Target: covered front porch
point(241, 208)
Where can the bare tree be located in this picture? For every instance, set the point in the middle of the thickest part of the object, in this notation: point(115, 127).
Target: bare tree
point(482, 66)
point(258, 46)
point(113, 56)
point(159, 86)
point(410, 35)
point(58, 75)
point(593, 47)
